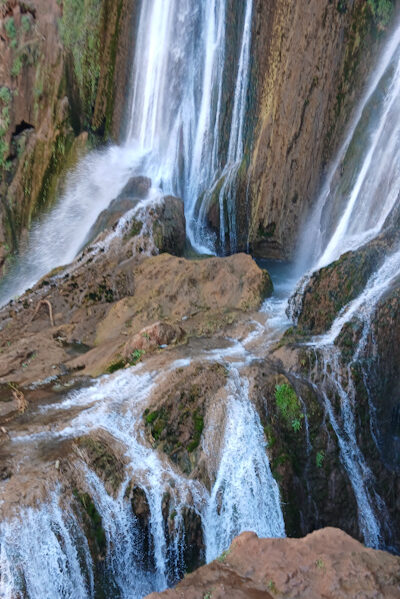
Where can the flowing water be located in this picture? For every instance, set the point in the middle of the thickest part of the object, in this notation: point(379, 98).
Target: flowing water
point(362, 191)
point(174, 135)
point(183, 74)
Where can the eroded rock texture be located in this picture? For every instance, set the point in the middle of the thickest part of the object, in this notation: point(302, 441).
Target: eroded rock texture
point(309, 62)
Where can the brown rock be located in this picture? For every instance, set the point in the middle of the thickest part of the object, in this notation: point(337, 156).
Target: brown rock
point(152, 337)
point(327, 563)
point(105, 299)
point(47, 110)
point(310, 60)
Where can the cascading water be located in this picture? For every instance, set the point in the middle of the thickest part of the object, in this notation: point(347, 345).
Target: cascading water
point(175, 123)
point(245, 495)
point(174, 136)
point(363, 184)
point(115, 405)
point(359, 196)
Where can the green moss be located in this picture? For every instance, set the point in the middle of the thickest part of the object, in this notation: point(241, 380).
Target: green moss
point(79, 28)
point(136, 227)
point(319, 458)
point(5, 100)
point(269, 435)
point(5, 95)
point(25, 23)
point(198, 425)
point(10, 28)
point(288, 406)
point(116, 365)
point(136, 356)
point(96, 532)
point(382, 11)
point(150, 417)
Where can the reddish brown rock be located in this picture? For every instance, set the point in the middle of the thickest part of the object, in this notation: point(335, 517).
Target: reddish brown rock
point(51, 96)
point(326, 564)
point(309, 61)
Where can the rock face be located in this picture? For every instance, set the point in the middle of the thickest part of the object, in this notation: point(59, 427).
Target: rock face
point(332, 287)
point(175, 418)
point(327, 563)
point(54, 88)
point(308, 59)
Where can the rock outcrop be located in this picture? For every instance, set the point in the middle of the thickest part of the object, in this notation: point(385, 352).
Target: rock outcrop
point(327, 563)
point(122, 297)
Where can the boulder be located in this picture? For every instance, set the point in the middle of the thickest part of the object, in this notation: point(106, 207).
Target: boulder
point(332, 287)
point(157, 335)
point(135, 190)
point(169, 228)
point(327, 563)
point(137, 187)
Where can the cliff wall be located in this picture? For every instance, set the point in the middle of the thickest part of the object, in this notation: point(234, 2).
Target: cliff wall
point(64, 72)
point(310, 61)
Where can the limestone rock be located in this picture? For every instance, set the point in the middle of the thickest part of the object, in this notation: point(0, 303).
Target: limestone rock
point(327, 563)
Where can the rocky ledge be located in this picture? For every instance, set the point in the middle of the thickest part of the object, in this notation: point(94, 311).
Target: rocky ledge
point(327, 563)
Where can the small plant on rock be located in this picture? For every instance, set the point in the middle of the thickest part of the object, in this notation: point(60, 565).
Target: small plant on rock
point(319, 458)
point(382, 11)
point(288, 406)
point(136, 356)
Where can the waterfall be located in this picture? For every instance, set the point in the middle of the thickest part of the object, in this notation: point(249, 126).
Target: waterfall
point(362, 185)
point(244, 496)
point(337, 382)
point(176, 122)
point(45, 552)
point(360, 195)
point(177, 105)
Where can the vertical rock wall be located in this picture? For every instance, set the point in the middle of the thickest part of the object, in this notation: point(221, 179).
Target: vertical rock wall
point(64, 72)
point(310, 60)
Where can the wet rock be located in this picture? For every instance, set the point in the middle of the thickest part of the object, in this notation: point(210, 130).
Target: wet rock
point(141, 509)
point(327, 563)
point(137, 187)
point(153, 337)
point(101, 458)
point(175, 419)
point(332, 287)
point(105, 298)
point(110, 216)
point(169, 228)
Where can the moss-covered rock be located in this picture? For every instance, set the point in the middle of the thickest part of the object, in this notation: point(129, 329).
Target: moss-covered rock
point(332, 287)
point(175, 420)
point(56, 86)
point(102, 459)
